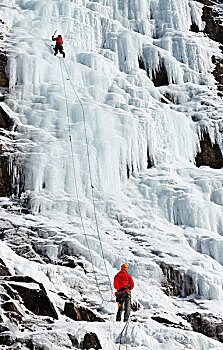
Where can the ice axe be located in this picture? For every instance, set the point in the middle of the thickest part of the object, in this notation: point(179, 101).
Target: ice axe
point(55, 32)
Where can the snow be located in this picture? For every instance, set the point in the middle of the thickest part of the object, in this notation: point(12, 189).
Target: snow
point(169, 214)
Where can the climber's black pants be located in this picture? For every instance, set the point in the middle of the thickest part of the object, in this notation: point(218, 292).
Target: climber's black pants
point(124, 305)
point(59, 48)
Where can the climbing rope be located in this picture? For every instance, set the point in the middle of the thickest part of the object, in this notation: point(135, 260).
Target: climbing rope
point(76, 187)
point(125, 329)
point(90, 175)
point(93, 199)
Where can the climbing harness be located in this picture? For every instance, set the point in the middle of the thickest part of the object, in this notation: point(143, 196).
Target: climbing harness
point(121, 293)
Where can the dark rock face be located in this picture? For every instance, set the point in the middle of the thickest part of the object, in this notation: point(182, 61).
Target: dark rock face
point(5, 176)
point(3, 269)
point(210, 154)
point(23, 245)
point(12, 312)
point(149, 162)
point(5, 120)
point(128, 171)
point(4, 82)
point(4, 297)
point(7, 338)
point(34, 299)
point(206, 2)
point(3, 328)
point(135, 306)
point(218, 71)
point(80, 313)
point(88, 315)
point(23, 279)
point(160, 77)
point(28, 344)
point(90, 342)
point(213, 27)
point(10, 306)
point(207, 325)
point(13, 294)
point(68, 258)
point(194, 28)
point(141, 63)
point(70, 310)
point(167, 322)
point(177, 283)
point(74, 340)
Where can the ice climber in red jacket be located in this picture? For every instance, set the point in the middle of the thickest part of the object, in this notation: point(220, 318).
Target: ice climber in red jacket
point(59, 45)
point(123, 283)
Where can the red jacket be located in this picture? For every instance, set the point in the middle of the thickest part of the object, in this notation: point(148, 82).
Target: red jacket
point(123, 279)
point(58, 40)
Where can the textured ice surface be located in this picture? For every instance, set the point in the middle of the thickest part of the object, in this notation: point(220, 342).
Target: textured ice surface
point(170, 213)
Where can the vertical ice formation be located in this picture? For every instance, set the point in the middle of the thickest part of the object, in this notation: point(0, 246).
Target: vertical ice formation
point(171, 14)
point(125, 119)
point(196, 14)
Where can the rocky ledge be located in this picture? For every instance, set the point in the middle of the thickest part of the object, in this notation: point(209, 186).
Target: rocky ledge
point(25, 303)
point(210, 153)
point(206, 324)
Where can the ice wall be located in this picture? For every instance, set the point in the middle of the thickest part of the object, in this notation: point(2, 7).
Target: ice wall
point(126, 122)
